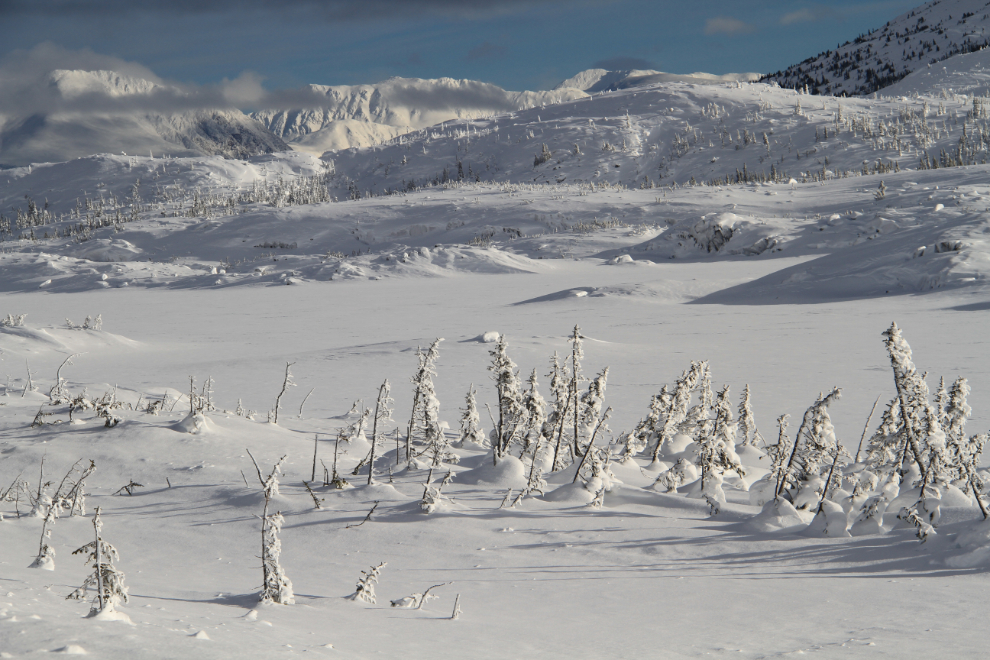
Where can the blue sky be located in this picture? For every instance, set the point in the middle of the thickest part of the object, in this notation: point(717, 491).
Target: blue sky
point(512, 43)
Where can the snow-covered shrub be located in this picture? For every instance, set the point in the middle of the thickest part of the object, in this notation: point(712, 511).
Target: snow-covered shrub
point(106, 580)
point(432, 495)
point(276, 588)
point(45, 559)
point(365, 589)
point(105, 407)
point(12, 321)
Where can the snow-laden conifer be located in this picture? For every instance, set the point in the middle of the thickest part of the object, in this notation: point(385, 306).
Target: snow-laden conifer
point(716, 454)
point(814, 441)
point(471, 430)
point(536, 412)
point(680, 402)
point(577, 354)
point(511, 413)
point(648, 429)
point(956, 412)
point(424, 419)
point(590, 405)
point(749, 434)
point(105, 580)
point(699, 414)
point(556, 420)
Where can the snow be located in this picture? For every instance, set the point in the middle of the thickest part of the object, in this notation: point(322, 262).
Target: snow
point(792, 301)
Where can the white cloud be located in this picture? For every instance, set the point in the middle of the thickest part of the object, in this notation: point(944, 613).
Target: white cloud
point(726, 25)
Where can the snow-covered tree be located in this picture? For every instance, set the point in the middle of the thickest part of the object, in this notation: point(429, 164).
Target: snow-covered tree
point(536, 412)
point(556, 421)
point(699, 414)
point(680, 401)
point(287, 382)
point(276, 588)
point(647, 431)
point(716, 454)
point(814, 442)
point(749, 434)
point(471, 430)
point(424, 419)
point(577, 354)
point(383, 414)
point(919, 419)
point(590, 405)
point(46, 554)
point(106, 580)
point(511, 413)
point(365, 590)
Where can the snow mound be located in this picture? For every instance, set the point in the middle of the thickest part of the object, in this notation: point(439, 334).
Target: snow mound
point(509, 473)
point(71, 649)
point(373, 493)
point(779, 516)
point(831, 521)
point(975, 543)
point(194, 423)
point(573, 493)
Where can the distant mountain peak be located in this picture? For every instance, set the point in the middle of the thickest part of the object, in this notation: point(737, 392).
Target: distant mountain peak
point(592, 81)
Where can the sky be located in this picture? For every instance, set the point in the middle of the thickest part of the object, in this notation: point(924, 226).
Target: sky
point(516, 44)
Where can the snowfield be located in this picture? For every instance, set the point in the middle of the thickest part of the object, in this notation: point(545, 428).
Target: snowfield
point(172, 319)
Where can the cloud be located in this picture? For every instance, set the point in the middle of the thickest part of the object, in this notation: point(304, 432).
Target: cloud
point(469, 94)
point(623, 63)
point(487, 51)
point(726, 25)
point(30, 88)
point(328, 9)
point(808, 14)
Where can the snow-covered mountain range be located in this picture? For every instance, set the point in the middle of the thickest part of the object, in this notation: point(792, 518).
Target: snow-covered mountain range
point(924, 36)
point(363, 115)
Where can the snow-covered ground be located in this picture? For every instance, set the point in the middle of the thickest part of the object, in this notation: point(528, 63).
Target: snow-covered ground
point(230, 270)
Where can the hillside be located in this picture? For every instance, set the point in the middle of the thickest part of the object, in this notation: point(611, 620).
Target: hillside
point(931, 33)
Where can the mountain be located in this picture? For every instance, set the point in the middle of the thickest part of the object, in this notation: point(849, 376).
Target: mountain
point(924, 36)
point(364, 115)
point(90, 123)
point(601, 80)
